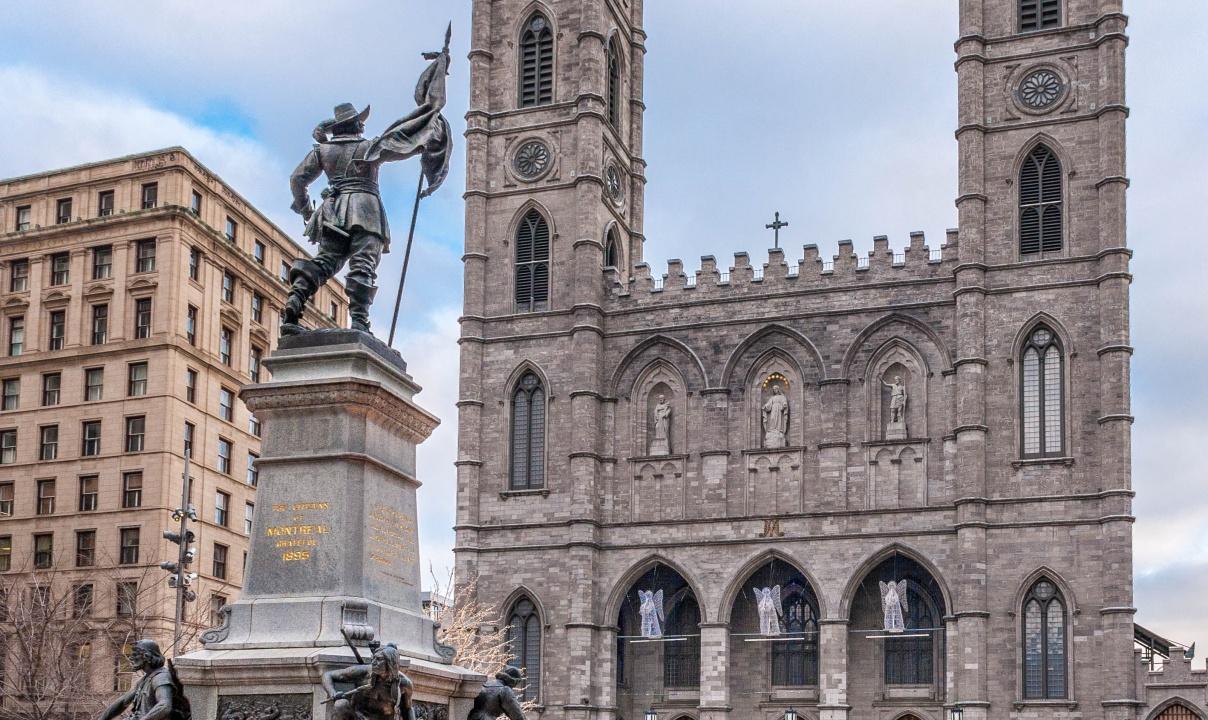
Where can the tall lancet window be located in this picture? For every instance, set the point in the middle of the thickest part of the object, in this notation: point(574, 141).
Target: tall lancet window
point(1039, 15)
point(528, 434)
point(536, 62)
point(1044, 643)
point(1042, 394)
point(524, 645)
point(614, 84)
point(1040, 203)
point(532, 263)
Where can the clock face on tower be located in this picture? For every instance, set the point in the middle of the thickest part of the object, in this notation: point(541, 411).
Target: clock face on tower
point(532, 159)
point(612, 181)
point(1040, 90)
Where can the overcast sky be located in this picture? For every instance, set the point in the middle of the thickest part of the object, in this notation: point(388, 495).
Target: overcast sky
point(839, 115)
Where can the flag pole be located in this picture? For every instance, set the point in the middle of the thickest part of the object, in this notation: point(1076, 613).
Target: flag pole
point(398, 299)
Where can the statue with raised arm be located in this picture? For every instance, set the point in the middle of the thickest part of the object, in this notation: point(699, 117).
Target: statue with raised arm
point(897, 399)
point(498, 697)
point(349, 225)
point(381, 691)
point(158, 695)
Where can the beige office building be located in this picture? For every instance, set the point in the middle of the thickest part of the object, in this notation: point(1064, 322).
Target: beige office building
point(136, 296)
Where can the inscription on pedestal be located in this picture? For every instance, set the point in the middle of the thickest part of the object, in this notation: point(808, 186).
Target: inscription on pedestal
point(390, 540)
point(298, 528)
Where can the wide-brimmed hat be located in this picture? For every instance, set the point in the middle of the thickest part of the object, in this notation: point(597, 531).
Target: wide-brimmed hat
point(510, 676)
point(346, 112)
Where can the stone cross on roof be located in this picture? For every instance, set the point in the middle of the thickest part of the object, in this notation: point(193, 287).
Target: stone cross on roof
point(775, 226)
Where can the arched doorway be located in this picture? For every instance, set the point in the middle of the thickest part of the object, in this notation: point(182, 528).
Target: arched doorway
point(905, 653)
point(658, 644)
point(1178, 711)
point(780, 658)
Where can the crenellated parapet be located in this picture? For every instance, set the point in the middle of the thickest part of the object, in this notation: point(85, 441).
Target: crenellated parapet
point(777, 274)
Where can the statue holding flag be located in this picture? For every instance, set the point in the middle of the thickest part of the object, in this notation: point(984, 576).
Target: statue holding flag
point(349, 225)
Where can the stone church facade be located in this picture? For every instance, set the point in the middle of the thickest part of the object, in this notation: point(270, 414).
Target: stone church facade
point(640, 451)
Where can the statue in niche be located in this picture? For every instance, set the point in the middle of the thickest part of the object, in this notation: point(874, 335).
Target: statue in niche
point(661, 442)
point(893, 603)
point(767, 601)
point(895, 427)
point(651, 610)
point(775, 419)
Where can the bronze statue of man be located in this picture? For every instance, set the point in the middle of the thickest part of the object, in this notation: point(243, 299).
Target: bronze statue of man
point(498, 697)
point(382, 691)
point(158, 695)
point(349, 226)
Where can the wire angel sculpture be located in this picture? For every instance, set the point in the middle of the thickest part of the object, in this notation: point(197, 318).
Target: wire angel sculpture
point(767, 600)
point(893, 602)
point(651, 610)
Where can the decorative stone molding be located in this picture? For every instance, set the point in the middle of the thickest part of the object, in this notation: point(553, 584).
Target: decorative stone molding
point(414, 424)
point(218, 634)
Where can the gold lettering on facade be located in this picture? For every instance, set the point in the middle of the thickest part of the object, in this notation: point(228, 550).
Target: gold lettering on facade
point(298, 531)
point(390, 538)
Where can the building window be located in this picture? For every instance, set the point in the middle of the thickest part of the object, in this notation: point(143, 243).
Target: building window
point(224, 456)
point(253, 473)
point(100, 324)
point(137, 379)
point(253, 425)
point(94, 384)
point(536, 62)
point(220, 561)
point(136, 429)
point(6, 554)
point(258, 251)
point(104, 203)
point(44, 551)
point(232, 229)
point(191, 325)
point(222, 508)
point(18, 279)
point(51, 384)
point(8, 450)
point(46, 497)
point(226, 404)
point(194, 264)
point(253, 363)
point(102, 262)
point(1044, 635)
point(88, 492)
point(85, 548)
point(63, 211)
point(249, 510)
point(142, 318)
point(60, 269)
point(795, 663)
point(532, 263)
point(524, 645)
point(191, 386)
point(333, 310)
point(528, 434)
point(132, 489)
point(58, 329)
point(129, 546)
point(150, 195)
point(145, 256)
point(12, 394)
point(283, 272)
point(190, 432)
point(217, 603)
point(91, 438)
point(225, 340)
point(257, 308)
point(81, 600)
point(195, 203)
point(911, 660)
point(48, 442)
point(614, 84)
point(24, 217)
point(127, 600)
point(16, 335)
point(612, 250)
point(1040, 203)
point(681, 660)
point(1042, 378)
point(1039, 14)
point(228, 287)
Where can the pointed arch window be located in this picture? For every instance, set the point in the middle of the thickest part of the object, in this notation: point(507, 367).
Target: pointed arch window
point(1044, 642)
point(1040, 203)
point(612, 249)
point(532, 263)
point(524, 646)
point(911, 660)
point(614, 84)
point(1042, 396)
point(1039, 15)
point(528, 434)
point(795, 662)
point(536, 62)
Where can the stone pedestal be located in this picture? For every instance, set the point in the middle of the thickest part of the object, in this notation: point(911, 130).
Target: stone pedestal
point(896, 430)
point(334, 544)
